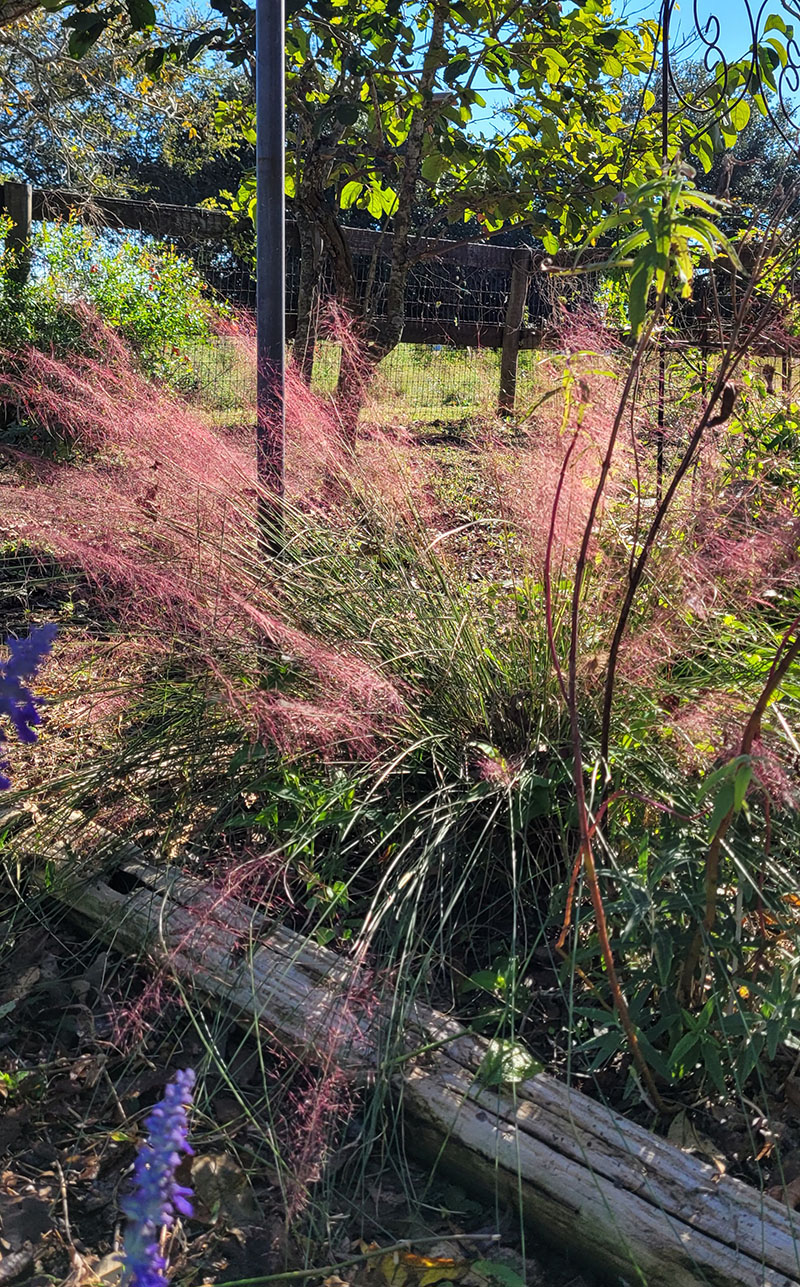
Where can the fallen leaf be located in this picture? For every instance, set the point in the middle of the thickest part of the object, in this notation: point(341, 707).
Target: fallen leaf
point(789, 1194)
point(223, 1188)
point(685, 1135)
point(399, 1268)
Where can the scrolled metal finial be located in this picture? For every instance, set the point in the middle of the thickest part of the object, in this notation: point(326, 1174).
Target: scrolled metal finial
point(713, 56)
point(777, 97)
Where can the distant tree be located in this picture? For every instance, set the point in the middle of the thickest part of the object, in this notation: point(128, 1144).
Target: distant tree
point(84, 20)
point(102, 124)
point(744, 163)
point(382, 97)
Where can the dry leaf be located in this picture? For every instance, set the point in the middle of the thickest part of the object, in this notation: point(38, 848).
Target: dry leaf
point(684, 1135)
point(789, 1194)
point(404, 1268)
point(223, 1188)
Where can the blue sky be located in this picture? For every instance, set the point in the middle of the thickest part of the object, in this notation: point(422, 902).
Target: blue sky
point(735, 34)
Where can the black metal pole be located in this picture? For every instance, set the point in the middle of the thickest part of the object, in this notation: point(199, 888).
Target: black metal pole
point(271, 273)
point(662, 359)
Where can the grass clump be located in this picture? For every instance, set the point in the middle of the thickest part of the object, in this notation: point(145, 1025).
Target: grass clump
point(511, 720)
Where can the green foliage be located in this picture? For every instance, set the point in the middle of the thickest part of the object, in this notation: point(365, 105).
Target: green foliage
point(352, 97)
point(666, 227)
point(28, 314)
point(155, 298)
point(103, 125)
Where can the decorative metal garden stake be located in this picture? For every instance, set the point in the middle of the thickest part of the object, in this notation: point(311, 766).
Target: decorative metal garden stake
point(271, 270)
point(763, 74)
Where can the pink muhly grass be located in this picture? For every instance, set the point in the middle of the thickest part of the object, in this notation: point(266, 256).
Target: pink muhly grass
point(394, 472)
point(773, 777)
point(581, 329)
point(132, 1021)
point(527, 478)
point(158, 512)
point(334, 1039)
point(236, 885)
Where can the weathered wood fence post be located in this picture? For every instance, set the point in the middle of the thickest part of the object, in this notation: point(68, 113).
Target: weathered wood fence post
point(18, 204)
point(521, 263)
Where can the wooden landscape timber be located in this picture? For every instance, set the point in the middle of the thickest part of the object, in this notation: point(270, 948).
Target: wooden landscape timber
point(626, 1201)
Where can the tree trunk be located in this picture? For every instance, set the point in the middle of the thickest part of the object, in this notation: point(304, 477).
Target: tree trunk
point(380, 336)
point(390, 329)
point(356, 370)
point(13, 10)
point(305, 337)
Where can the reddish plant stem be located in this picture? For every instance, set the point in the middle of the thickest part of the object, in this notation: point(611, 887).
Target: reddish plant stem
point(638, 568)
point(785, 655)
point(616, 795)
point(548, 583)
point(732, 357)
point(585, 830)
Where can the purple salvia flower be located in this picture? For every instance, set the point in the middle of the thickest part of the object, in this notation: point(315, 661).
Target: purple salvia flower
point(157, 1198)
point(16, 699)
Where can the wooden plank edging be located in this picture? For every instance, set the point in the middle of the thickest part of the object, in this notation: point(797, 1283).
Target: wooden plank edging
point(637, 1207)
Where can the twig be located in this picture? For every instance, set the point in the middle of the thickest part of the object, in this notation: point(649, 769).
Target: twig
point(784, 657)
point(62, 1184)
point(297, 1275)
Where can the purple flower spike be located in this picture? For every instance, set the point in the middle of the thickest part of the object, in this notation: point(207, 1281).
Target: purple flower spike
point(17, 701)
point(157, 1198)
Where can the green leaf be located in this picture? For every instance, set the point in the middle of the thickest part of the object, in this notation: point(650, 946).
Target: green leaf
point(723, 805)
point(741, 782)
point(641, 278)
point(350, 194)
point(498, 1272)
point(484, 980)
point(81, 41)
point(347, 113)
point(663, 953)
point(141, 13)
point(739, 114)
point(684, 1052)
point(775, 23)
point(506, 1063)
point(711, 1061)
point(434, 166)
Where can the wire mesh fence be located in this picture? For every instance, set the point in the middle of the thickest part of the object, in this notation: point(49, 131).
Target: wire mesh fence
point(442, 376)
point(449, 364)
point(454, 358)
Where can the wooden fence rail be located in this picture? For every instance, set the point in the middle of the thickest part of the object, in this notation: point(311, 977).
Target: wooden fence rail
point(526, 321)
point(26, 205)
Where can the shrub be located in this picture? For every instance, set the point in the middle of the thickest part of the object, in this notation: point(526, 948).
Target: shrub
point(146, 291)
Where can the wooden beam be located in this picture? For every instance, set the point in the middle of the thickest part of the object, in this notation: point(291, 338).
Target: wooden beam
point(142, 216)
point(194, 221)
point(627, 1201)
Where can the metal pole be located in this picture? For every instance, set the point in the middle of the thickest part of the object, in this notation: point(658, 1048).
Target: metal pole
point(662, 360)
point(271, 273)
